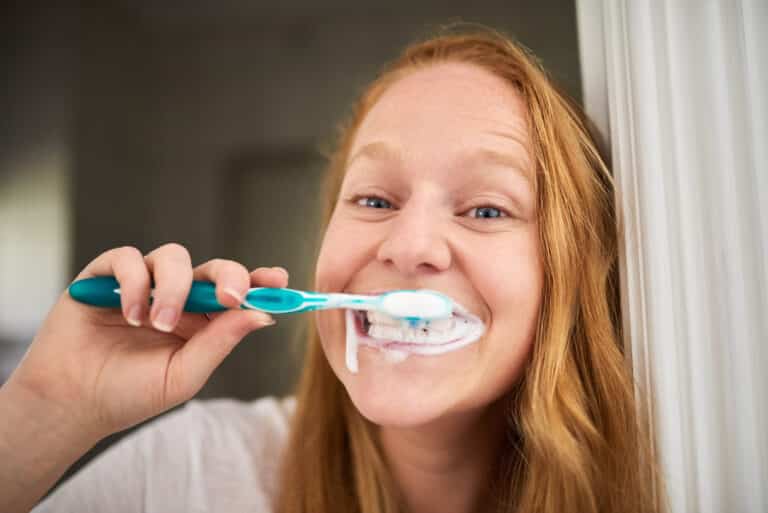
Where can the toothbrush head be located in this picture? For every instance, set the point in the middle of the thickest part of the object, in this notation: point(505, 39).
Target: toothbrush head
point(416, 305)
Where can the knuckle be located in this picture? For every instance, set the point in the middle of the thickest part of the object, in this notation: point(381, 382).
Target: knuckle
point(216, 262)
point(228, 266)
point(176, 250)
point(241, 271)
point(127, 252)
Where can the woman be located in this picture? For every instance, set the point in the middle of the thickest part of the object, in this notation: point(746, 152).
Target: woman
point(462, 170)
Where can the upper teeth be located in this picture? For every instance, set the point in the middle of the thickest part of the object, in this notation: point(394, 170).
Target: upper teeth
point(434, 332)
point(385, 320)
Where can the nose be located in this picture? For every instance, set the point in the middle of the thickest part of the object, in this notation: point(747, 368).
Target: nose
point(415, 242)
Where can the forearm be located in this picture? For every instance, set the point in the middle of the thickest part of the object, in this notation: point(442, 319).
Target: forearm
point(37, 445)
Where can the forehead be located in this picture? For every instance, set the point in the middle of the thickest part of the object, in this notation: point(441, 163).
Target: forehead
point(447, 108)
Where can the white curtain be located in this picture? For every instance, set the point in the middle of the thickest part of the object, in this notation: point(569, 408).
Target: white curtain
point(680, 92)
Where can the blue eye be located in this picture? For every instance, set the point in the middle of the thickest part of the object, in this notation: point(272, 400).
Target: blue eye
point(488, 212)
point(484, 212)
point(373, 202)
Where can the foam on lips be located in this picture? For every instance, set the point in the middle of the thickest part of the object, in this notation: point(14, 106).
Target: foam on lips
point(397, 339)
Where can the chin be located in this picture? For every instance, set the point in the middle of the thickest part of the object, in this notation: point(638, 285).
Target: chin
point(391, 410)
point(403, 394)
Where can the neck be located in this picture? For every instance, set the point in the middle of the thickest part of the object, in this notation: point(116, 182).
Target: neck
point(446, 466)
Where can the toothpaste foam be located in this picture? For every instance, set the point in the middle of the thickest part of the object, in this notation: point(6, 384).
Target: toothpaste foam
point(351, 346)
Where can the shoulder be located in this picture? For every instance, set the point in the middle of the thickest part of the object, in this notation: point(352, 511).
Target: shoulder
point(209, 418)
point(223, 435)
point(213, 422)
point(207, 455)
point(223, 454)
point(227, 451)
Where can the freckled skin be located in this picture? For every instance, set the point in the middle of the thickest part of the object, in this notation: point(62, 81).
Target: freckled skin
point(428, 235)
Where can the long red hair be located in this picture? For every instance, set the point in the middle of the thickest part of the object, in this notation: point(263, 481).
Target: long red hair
point(577, 442)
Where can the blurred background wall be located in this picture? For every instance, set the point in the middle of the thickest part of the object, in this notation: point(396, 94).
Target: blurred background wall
point(142, 123)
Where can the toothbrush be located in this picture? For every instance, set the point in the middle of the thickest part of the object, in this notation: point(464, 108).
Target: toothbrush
point(413, 306)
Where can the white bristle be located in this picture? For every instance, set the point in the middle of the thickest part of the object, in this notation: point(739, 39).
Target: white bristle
point(423, 304)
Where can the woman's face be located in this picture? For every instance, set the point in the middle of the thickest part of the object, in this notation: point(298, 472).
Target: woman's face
point(438, 194)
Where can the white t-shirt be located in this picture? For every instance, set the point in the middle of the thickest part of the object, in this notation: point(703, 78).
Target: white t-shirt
point(215, 455)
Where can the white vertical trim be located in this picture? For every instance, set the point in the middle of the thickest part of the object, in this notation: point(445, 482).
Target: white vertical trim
point(685, 88)
point(593, 65)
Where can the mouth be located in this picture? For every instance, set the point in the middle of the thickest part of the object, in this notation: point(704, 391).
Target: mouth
point(398, 339)
point(421, 338)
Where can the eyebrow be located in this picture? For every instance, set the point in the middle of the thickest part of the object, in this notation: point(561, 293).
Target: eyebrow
point(380, 150)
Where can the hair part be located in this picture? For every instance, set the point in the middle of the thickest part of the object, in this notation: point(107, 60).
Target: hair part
point(577, 439)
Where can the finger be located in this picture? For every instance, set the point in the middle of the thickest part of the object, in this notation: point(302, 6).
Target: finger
point(231, 279)
point(196, 360)
point(269, 277)
point(190, 324)
point(132, 274)
point(127, 265)
point(220, 272)
point(171, 268)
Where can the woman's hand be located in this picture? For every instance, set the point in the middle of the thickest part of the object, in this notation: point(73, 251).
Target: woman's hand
point(109, 369)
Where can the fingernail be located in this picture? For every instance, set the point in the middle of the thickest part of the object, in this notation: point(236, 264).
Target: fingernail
point(235, 294)
point(265, 319)
point(134, 316)
point(165, 319)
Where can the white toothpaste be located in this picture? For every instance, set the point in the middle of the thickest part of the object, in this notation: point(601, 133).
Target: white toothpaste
point(351, 351)
point(397, 339)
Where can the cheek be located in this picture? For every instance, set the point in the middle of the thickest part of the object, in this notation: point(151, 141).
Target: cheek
point(516, 294)
point(512, 285)
point(338, 261)
point(342, 253)
point(513, 293)
point(330, 262)
point(330, 328)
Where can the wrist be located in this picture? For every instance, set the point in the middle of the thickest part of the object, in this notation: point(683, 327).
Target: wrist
point(38, 442)
point(27, 411)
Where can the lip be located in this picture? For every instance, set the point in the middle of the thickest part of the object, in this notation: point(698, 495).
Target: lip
point(375, 291)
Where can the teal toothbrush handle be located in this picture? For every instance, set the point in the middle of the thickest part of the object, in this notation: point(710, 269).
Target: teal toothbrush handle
point(104, 291)
point(100, 291)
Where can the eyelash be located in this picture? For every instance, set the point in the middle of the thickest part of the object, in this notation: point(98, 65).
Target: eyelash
point(504, 214)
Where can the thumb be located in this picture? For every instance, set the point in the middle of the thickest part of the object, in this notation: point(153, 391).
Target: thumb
point(195, 361)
